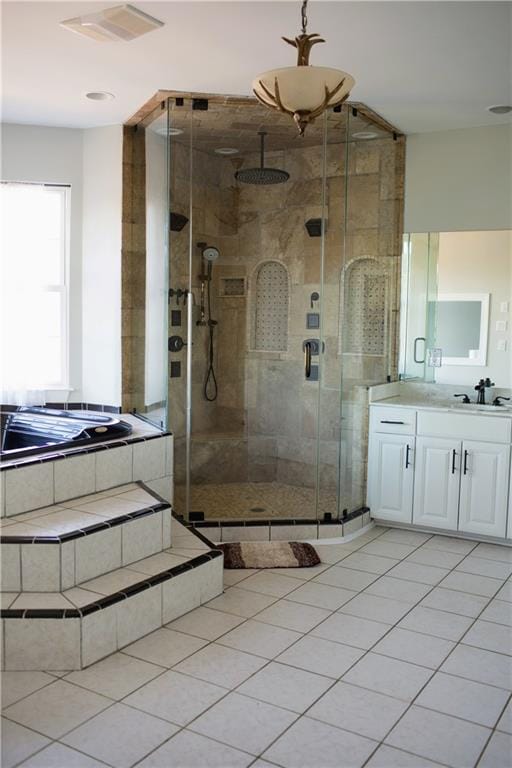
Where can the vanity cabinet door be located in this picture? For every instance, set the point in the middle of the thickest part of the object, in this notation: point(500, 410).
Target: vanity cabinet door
point(390, 477)
point(484, 488)
point(437, 482)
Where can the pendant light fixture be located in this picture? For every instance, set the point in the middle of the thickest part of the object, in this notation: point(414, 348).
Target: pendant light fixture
point(303, 92)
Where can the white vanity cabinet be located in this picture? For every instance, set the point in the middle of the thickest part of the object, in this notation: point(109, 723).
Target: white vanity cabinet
point(436, 482)
point(484, 485)
point(391, 463)
point(460, 478)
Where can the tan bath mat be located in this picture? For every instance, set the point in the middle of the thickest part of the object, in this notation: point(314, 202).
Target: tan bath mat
point(269, 554)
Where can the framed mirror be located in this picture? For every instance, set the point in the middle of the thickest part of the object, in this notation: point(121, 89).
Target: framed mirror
point(462, 321)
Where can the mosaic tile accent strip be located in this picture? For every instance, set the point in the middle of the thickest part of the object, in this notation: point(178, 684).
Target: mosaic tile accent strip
point(272, 300)
point(366, 311)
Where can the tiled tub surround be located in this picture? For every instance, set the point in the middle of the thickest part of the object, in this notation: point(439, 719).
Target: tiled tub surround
point(393, 653)
point(54, 478)
point(77, 626)
point(58, 547)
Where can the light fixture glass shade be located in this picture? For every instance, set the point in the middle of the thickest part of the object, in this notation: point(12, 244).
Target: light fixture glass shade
point(303, 89)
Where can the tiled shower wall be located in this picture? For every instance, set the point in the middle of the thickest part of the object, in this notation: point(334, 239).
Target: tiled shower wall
point(263, 426)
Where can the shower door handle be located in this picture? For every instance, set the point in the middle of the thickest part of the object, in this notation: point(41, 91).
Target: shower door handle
point(415, 350)
point(307, 358)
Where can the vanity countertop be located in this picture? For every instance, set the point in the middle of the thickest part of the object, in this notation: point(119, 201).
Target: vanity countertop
point(431, 404)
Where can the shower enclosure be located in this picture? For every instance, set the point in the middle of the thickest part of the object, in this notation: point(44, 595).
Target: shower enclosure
point(283, 303)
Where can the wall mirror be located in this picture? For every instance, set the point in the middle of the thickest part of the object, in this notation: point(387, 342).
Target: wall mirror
point(462, 327)
point(456, 303)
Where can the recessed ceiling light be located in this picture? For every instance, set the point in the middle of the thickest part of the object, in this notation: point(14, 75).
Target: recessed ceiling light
point(500, 109)
point(226, 151)
point(364, 135)
point(99, 96)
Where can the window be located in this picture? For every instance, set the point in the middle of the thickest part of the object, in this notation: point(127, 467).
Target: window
point(34, 286)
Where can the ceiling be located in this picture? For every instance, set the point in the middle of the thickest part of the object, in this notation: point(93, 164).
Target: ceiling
point(424, 66)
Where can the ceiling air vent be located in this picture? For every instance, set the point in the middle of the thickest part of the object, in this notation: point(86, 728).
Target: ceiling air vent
point(124, 22)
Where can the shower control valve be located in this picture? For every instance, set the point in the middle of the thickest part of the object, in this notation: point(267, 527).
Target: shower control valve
point(176, 344)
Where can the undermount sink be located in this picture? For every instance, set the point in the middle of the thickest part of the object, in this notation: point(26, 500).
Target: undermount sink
point(475, 407)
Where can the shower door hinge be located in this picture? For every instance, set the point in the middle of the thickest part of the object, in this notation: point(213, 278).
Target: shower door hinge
point(201, 104)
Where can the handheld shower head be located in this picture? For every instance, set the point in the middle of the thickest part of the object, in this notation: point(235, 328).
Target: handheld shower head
point(210, 254)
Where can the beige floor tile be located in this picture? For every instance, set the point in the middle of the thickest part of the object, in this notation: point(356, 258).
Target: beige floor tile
point(505, 723)
point(57, 708)
point(16, 685)
point(407, 591)
point(430, 621)
point(41, 600)
point(241, 602)
point(7, 599)
point(439, 737)
point(334, 553)
point(285, 686)
point(467, 699)
point(479, 566)
point(236, 575)
point(347, 578)
point(221, 665)
point(312, 743)
point(362, 561)
point(472, 584)
point(80, 597)
point(499, 612)
point(424, 650)
point(392, 677)
point(157, 563)
point(244, 723)
point(114, 581)
point(261, 639)
point(493, 552)
point(382, 609)
point(351, 630)
point(358, 710)
point(165, 647)
point(436, 557)
point(191, 750)
point(423, 574)
point(321, 656)
point(480, 665)
point(121, 736)
point(412, 538)
point(389, 757)
point(455, 602)
point(116, 676)
point(388, 549)
point(296, 616)
point(451, 544)
point(498, 751)
point(270, 584)
point(304, 574)
point(18, 743)
point(59, 756)
point(490, 636)
point(321, 595)
point(175, 697)
point(205, 623)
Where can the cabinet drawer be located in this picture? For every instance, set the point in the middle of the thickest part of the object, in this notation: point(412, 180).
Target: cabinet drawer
point(464, 426)
point(397, 421)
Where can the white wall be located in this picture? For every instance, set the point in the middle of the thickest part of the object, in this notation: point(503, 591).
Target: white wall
point(102, 217)
point(54, 155)
point(480, 262)
point(459, 180)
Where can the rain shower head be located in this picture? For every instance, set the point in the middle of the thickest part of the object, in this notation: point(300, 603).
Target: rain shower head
point(262, 175)
point(210, 254)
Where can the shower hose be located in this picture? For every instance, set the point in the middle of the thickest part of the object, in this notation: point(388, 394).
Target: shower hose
point(210, 383)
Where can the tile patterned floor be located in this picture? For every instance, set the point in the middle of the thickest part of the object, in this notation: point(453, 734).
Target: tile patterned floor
point(395, 653)
point(240, 500)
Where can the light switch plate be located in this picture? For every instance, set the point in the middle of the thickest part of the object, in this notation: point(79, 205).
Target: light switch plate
point(502, 345)
point(504, 306)
point(501, 325)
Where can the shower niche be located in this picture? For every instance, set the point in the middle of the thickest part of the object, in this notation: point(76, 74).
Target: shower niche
point(306, 230)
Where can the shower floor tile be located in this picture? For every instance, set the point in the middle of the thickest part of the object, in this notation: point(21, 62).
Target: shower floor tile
point(254, 501)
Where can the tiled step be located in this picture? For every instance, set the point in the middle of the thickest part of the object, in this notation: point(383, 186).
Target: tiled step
point(76, 627)
point(58, 547)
